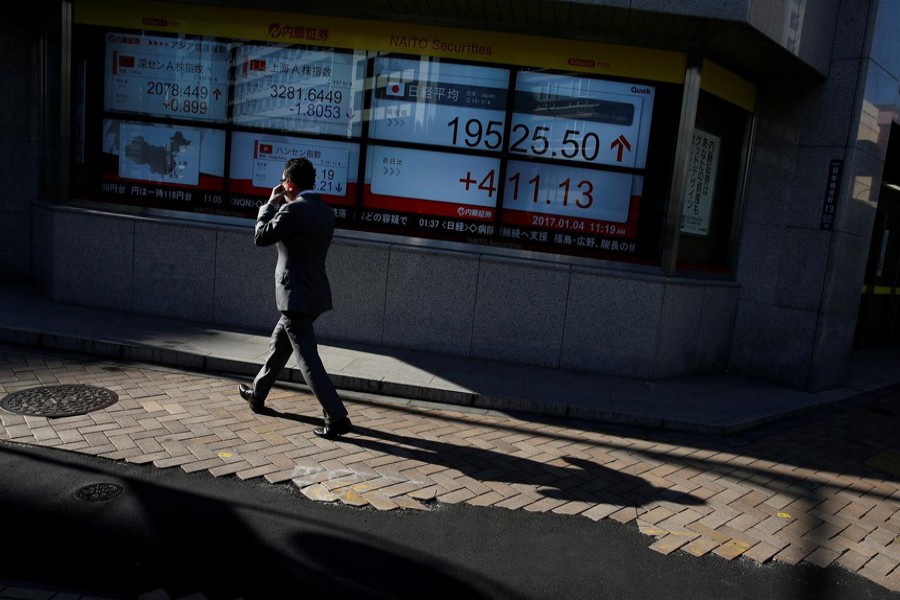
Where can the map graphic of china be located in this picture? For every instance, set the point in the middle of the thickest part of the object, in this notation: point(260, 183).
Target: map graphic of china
point(161, 159)
point(159, 154)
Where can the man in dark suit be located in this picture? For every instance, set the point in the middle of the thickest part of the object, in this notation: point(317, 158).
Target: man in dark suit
point(301, 226)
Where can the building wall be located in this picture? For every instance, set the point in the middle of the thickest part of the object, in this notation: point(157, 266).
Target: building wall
point(799, 280)
point(19, 119)
point(464, 304)
point(789, 317)
point(805, 27)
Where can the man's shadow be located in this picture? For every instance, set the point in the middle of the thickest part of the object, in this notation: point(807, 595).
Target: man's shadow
point(578, 480)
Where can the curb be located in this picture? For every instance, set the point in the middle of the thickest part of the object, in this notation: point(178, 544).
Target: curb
point(370, 390)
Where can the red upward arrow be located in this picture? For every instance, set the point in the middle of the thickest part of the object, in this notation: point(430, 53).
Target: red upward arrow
point(621, 144)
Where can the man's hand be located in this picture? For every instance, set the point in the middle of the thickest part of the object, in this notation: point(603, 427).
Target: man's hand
point(277, 197)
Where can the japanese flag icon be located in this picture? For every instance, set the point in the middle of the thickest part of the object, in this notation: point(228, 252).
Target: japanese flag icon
point(395, 89)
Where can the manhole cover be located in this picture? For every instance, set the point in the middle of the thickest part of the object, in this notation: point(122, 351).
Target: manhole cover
point(58, 400)
point(96, 492)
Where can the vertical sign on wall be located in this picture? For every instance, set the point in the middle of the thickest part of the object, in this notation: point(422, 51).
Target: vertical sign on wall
point(701, 183)
point(831, 192)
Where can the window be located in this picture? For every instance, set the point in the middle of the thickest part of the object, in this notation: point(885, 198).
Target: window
point(712, 185)
point(484, 154)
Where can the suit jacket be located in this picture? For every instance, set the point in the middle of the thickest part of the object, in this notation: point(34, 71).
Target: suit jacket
point(301, 231)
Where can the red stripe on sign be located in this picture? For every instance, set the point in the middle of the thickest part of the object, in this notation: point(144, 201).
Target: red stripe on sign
point(246, 187)
point(574, 224)
point(348, 199)
point(427, 207)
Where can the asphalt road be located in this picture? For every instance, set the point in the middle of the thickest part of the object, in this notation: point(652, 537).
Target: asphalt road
point(168, 531)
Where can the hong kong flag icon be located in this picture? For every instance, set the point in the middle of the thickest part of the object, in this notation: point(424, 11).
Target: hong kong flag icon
point(395, 89)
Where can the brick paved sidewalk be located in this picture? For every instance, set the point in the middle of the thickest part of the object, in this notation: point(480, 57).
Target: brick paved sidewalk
point(822, 491)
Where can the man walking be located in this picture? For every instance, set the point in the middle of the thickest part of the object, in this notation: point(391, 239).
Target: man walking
point(301, 226)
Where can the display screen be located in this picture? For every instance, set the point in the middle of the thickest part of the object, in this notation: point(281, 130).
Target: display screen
point(581, 119)
point(408, 145)
point(569, 198)
point(163, 163)
point(299, 90)
point(257, 164)
point(432, 183)
point(166, 77)
point(441, 104)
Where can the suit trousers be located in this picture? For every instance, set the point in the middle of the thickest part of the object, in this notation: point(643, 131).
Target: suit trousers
point(294, 333)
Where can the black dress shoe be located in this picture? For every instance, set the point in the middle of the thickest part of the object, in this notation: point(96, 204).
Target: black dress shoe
point(335, 429)
point(256, 405)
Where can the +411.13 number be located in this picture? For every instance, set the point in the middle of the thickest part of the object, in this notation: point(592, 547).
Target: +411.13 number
point(581, 192)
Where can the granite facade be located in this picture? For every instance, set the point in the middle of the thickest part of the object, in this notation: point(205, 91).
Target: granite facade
point(787, 316)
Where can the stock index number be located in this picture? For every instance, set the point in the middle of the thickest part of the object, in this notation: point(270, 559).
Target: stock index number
point(173, 90)
point(290, 92)
point(474, 132)
point(573, 143)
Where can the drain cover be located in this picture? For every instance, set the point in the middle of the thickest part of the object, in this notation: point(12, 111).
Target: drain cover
point(58, 400)
point(97, 492)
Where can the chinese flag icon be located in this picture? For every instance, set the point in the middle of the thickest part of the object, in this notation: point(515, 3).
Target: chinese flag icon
point(395, 89)
point(254, 64)
point(126, 62)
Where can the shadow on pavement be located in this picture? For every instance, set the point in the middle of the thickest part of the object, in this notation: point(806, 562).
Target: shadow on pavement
point(582, 481)
point(187, 535)
point(225, 539)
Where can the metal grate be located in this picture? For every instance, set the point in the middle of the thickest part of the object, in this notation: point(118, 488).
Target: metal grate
point(59, 400)
point(97, 492)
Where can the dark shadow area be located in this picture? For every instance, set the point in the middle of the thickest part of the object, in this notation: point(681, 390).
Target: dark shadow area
point(580, 480)
point(186, 534)
point(840, 438)
point(855, 437)
point(268, 411)
point(843, 438)
point(385, 574)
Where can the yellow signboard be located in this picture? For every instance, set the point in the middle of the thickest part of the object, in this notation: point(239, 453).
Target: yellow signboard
point(406, 38)
point(728, 86)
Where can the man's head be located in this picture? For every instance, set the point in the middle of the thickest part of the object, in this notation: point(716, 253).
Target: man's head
point(299, 175)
